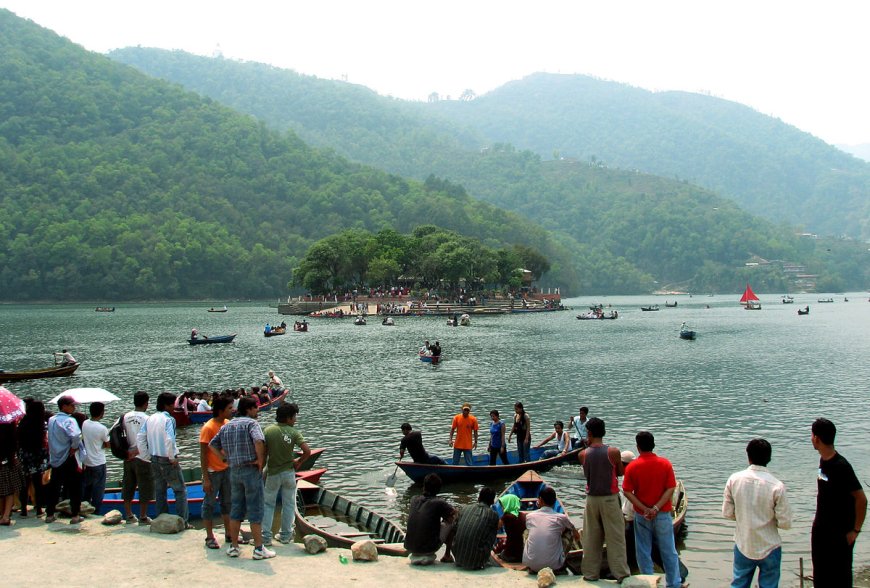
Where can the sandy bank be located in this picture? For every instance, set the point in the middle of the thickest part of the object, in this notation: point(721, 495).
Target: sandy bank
point(93, 554)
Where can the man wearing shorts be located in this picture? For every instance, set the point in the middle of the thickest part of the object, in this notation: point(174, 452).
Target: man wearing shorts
point(215, 471)
point(242, 444)
point(137, 466)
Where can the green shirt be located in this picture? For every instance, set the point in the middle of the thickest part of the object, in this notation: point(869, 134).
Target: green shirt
point(280, 439)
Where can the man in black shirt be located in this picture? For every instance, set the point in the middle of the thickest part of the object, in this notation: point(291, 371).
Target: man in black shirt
point(413, 442)
point(429, 524)
point(840, 509)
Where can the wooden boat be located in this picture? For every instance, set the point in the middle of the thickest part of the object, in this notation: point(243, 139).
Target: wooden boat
point(786, 299)
point(198, 417)
point(275, 331)
point(826, 300)
point(113, 499)
point(669, 305)
point(52, 372)
point(342, 522)
point(433, 359)
point(749, 300)
point(360, 320)
point(650, 308)
point(527, 487)
point(105, 309)
point(481, 470)
point(593, 316)
point(388, 322)
point(465, 320)
point(203, 340)
point(213, 309)
point(300, 327)
point(803, 311)
point(687, 335)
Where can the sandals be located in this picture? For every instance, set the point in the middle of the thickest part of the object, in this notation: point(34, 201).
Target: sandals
point(212, 543)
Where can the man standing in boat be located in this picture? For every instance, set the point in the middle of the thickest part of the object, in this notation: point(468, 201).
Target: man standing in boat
point(464, 426)
point(413, 442)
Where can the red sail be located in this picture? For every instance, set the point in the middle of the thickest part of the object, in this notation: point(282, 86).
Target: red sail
point(748, 295)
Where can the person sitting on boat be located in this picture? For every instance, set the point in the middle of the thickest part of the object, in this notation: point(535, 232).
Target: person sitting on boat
point(267, 328)
point(474, 532)
point(194, 333)
point(276, 386)
point(436, 349)
point(563, 441)
point(684, 327)
point(579, 434)
point(430, 519)
point(544, 546)
point(514, 523)
point(66, 358)
point(425, 349)
point(283, 325)
point(203, 405)
point(413, 442)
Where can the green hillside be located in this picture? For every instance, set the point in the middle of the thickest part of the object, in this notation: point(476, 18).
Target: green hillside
point(115, 186)
point(626, 230)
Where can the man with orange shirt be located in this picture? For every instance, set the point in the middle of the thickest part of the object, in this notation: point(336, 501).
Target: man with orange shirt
point(649, 484)
point(215, 472)
point(464, 426)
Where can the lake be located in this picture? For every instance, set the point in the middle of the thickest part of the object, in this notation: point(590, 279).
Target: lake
point(748, 374)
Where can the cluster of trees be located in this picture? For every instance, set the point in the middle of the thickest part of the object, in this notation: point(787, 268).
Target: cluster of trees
point(429, 257)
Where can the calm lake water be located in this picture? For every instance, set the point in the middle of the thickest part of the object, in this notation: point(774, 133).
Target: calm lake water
point(767, 373)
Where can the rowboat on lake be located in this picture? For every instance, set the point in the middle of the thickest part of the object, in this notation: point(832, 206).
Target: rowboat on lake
point(650, 308)
point(275, 331)
point(209, 340)
point(52, 372)
point(105, 309)
point(197, 417)
point(342, 522)
point(480, 470)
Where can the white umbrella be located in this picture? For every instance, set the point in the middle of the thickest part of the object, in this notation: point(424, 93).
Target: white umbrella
point(84, 395)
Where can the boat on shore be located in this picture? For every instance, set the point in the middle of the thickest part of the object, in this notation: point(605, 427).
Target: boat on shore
point(51, 372)
point(203, 340)
point(341, 522)
point(481, 471)
point(527, 487)
point(198, 417)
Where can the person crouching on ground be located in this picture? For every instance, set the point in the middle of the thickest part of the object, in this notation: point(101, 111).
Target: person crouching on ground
point(544, 546)
point(429, 524)
point(475, 531)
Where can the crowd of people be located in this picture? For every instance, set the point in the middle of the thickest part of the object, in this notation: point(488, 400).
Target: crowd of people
point(191, 401)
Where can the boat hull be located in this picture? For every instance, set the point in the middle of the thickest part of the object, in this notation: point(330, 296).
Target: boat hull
point(481, 470)
point(212, 340)
point(687, 335)
point(55, 372)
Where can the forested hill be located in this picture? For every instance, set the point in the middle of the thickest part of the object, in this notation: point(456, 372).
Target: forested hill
point(115, 185)
point(627, 230)
point(768, 167)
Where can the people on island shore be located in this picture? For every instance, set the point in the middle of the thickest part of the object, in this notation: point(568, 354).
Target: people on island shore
point(281, 465)
point(841, 506)
point(497, 439)
point(215, 473)
point(758, 503)
point(242, 443)
point(137, 466)
point(475, 530)
point(64, 447)
point(579, 434)
point(32, 439)
point(465, 427)
point(430, 519)
point(563, 441)
point(649, 483)
point(413, 442)
point(545, 547)
point(602, 518)
point(156, 438)
point(522, 428)
point(95, 438)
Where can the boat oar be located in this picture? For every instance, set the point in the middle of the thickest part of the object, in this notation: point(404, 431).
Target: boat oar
point(391, 481)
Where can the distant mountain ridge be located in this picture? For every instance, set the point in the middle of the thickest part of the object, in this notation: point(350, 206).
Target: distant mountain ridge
point(861, 150)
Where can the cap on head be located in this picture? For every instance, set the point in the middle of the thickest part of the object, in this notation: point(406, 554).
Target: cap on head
point(627, 456)
point(466, 405)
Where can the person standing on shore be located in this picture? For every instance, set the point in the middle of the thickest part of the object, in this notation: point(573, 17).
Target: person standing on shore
point(156, 438)
point(215, 472)
point(464, 426)
point(523, 430)
point(137, 466)
point(95, 437)
point(64, 440)
point(649, 484)
point(602, 518)
point(242, 443)
point(841, 506)
point(281, 466)
point(757, 501)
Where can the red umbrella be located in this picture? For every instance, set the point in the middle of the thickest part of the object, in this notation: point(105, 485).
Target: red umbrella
point(11, 407)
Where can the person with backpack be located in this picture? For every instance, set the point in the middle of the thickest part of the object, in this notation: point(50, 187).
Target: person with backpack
point(137, 464)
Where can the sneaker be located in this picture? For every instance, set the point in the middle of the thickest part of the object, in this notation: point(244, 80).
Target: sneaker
point(283, 540)
point(267, 543)
point(263, 553)
point(233, 551)
point(145, 520)
point(131, 520)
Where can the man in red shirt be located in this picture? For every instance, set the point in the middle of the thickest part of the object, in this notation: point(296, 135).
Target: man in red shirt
point(649, 484)
point(464, 426)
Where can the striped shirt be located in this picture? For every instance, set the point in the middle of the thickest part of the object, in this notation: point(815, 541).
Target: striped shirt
point(237, 438)
point(475, 536)
point(156, 437)
point(757, 501)
point(63, 435)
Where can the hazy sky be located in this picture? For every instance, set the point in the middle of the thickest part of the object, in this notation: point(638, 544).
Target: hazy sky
point(803, 62)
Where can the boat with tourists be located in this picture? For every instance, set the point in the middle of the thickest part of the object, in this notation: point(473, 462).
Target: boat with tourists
point(274, 331)
point(301, 326)
point(481, 471)
point(342, 522)
point(803, 311)
point(596, 315)
point(686, 333)
point(104, 309)
point(650, 308)
point(50, 372)
point(826, 300)
point(360, 320)
point(786, 299)
point(749, 300)
point(197, 417)
point(213, 309)
point(203, 340)
point(388, 322)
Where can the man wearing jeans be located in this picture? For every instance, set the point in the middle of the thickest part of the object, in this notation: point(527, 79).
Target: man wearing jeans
point(649, 484)
point(157, 438)
point(464, 426)
point(241, 442)
point(757, 501)
point(64, 441)
point(281, 466)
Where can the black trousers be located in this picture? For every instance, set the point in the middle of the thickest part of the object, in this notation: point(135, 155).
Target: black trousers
point(68, 477)
point(832, 558)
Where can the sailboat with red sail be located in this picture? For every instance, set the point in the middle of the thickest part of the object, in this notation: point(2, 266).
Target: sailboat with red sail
point(749, 300)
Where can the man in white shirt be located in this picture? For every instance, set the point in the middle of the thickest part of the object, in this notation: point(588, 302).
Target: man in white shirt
point(577, 429)
point(95, 437)
point(137, 466)
point(203, 405)
point(757, 501)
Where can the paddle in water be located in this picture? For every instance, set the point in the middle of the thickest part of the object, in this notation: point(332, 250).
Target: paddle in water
point(391, 482)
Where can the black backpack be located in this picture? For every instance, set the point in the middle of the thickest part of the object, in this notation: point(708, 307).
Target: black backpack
point(118, 441)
